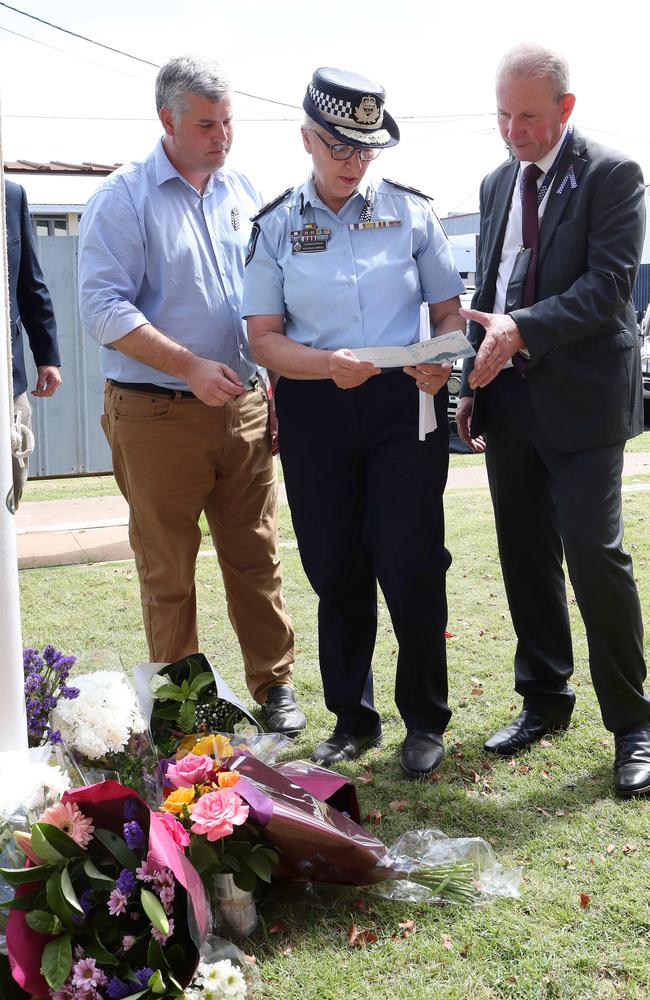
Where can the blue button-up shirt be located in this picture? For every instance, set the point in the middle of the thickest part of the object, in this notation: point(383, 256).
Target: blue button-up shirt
point(365, 289)
point(154, 250)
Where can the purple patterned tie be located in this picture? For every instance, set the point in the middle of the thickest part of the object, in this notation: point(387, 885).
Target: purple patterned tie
point(530, 228)
point(529, 238)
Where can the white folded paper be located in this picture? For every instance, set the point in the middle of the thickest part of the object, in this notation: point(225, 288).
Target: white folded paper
point(434, 350)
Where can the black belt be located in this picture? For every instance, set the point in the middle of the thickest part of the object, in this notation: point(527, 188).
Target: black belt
point(149, 387)
point(164, 390)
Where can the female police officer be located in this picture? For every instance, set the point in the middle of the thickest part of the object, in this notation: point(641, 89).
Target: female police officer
point(331, 269)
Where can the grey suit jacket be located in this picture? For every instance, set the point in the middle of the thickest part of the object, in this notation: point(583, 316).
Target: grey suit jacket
point(584, 377)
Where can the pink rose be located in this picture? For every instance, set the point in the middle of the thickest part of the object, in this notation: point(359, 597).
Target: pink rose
point(216, 813)
point(177, 830)
point(191, 770)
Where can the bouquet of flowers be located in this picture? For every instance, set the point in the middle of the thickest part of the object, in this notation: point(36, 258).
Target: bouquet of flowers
point(107, 736)
point(186, 698)
point(207, 814)
point(107, 907)
point(45, 682)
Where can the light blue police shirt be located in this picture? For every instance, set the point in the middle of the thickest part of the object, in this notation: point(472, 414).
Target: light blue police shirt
point(365, 289)
point(154, 250)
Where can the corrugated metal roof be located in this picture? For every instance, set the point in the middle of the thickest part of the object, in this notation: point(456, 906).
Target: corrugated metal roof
point(59, 167)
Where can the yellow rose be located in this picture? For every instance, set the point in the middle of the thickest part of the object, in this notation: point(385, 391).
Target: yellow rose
point(176, 800)
point(215, 745)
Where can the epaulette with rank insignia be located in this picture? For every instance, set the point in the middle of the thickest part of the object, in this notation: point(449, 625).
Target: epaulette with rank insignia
point(271, 204)
point(405, 187)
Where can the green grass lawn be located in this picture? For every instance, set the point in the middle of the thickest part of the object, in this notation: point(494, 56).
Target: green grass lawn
point(552, 811)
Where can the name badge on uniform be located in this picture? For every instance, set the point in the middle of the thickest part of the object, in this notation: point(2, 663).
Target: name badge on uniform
point(310, 239)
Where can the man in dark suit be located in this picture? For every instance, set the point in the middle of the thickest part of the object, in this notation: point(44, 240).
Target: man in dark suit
point(31, 307)
point(552, 395)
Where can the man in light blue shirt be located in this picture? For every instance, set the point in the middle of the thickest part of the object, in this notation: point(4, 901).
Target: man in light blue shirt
point(161, 265)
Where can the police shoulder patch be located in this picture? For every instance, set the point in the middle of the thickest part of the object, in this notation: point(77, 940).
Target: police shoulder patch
point(271, 204)
point(405, 187)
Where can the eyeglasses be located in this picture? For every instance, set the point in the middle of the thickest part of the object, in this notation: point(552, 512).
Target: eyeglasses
point(340, 152)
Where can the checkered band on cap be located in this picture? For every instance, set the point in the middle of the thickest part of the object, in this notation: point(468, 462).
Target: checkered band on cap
point(339, 111)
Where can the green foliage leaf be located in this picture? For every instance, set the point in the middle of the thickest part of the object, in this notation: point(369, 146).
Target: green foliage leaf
point(245, 879)
point(28, 901)
point(117, 847)
point(55, 898)
point(156, 957)
point(60, 841)
point(95, 949)
point(187, 717)
point(201, 682)
point(154, 910)
point(43, 922)
point(68, 893)
point(42, 847)
point(166, 712)
point(156, 983)
point(56, 961)
point(97, 877)
point(169, 692)
point(21, 876)
point(259, 864)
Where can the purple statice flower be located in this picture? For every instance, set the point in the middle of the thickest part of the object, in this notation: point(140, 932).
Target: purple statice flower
point(134, 835)
point(45, 678)
point(143, 975)
point(125, 882)
point(54, 736)
point(85, 902)
point(117, 903)
point(85, 974)
point(117, 989)
point(33, 682)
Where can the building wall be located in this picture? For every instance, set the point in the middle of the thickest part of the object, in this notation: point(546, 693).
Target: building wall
point(69, 439)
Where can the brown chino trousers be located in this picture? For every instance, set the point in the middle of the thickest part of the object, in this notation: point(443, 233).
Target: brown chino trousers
point(174, 457)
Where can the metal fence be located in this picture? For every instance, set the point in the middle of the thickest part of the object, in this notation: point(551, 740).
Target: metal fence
point(69, 439)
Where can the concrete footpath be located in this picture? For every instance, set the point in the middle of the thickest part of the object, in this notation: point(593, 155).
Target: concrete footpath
point(94, 529)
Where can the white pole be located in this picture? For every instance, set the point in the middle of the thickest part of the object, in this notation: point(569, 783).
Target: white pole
point(13, 721)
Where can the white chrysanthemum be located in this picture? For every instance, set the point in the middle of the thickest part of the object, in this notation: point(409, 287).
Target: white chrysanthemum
point(157, 681)
point(222, 981)
point(102, 718)
point(28, 789)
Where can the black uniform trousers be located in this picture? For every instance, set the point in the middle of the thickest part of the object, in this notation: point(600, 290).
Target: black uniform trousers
point(366, 502)
point(547, 502)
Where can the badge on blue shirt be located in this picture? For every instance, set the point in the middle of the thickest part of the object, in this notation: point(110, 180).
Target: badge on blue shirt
point(310, 239)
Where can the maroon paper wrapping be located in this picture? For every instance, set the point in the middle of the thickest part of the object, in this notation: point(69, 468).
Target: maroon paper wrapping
point(24, 945)
point(317, 843)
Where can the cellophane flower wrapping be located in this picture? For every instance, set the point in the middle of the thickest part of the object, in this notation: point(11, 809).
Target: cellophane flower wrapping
point(113, 910)
point(427, 850)
point(30, 781)
point(317, 842)
point(187, 697)
point(106, 734)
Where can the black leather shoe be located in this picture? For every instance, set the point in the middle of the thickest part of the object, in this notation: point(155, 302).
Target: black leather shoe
point(342, 746)
point(632, 762)
point(526, 729)
point(281, 713)
point(422, 753)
